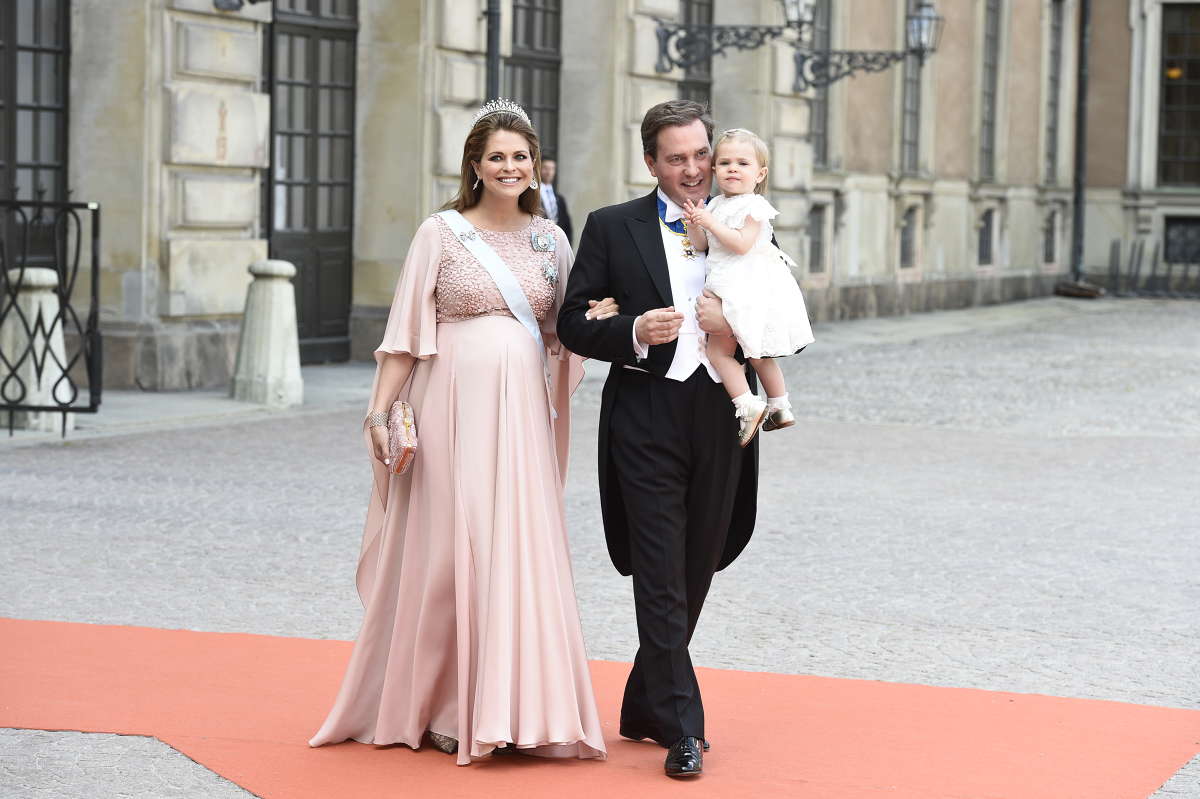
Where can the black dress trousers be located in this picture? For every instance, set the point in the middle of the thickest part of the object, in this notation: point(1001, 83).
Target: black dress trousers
point(674, 450)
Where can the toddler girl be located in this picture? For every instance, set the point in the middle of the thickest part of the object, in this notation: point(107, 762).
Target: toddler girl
point(760, 298)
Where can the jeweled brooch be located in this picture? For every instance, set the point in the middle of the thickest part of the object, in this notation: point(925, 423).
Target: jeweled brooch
point(543, 242)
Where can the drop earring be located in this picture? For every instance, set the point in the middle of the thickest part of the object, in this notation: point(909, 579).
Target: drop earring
point(477, 181)
point(533, 184)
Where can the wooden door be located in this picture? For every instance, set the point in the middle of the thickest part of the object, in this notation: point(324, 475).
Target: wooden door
point(311, 192)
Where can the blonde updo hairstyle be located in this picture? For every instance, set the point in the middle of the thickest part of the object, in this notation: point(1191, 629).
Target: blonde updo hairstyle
point(468, 195)
point(760, 150)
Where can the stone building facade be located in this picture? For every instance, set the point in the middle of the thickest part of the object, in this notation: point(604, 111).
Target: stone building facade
point(323, 132)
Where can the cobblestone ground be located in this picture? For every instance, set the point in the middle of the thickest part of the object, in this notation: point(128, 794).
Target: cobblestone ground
point(1002, 498)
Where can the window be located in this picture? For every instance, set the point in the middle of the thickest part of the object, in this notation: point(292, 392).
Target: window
point(697, 80)
point(987, 232)
point(310, 185)
point(1053, 90)
point(1182, 240)
point(1050, 239)
point(816, 239)
point(1179, 117)
point(991, 71)
point(327, 9)
point(819, 105)
point(531, 74)
point(908, 239)
point(33, 99)
point(910, 125)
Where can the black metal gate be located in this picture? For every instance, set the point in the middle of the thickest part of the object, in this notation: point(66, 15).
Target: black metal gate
point(1172, 270)
point(50, 358)
point(311, 181)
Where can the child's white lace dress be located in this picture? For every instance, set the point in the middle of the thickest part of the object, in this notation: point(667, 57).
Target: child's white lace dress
point(760, 297)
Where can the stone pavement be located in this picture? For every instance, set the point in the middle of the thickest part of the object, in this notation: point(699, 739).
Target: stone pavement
point(999, 498)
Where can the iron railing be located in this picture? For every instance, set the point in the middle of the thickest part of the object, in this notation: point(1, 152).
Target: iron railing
point(1148, 274)
point(50, 359)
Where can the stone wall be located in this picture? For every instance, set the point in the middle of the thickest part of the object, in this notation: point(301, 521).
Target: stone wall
point(170, 139)
point(1125, 200)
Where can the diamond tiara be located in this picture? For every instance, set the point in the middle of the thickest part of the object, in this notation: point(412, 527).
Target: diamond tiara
point(500, 106)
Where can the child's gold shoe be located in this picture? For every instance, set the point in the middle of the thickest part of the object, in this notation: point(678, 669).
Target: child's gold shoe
point(779, 419)
point(750, 417)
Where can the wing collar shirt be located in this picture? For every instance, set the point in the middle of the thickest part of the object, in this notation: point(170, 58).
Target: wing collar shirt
point(687, 284)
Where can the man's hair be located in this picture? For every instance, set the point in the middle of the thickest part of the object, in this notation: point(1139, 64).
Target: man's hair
point(670, 114)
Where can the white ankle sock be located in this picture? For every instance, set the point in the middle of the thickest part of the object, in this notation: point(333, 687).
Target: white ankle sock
point(741, 400)
point(778, 403)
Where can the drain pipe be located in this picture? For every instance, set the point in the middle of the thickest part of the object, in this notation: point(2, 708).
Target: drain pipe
point(493, 49)
point(1077, 286)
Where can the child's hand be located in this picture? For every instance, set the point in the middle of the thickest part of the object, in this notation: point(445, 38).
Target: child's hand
point(697, 215)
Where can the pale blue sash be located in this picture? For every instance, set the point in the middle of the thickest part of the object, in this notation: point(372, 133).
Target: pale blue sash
point(505, 280)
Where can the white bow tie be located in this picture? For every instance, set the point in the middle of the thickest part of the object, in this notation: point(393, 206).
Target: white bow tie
point(672, 213)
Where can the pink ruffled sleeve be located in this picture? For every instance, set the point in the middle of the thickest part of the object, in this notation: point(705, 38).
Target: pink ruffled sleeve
point(566, 368)
point(412, 330)
point(412, 322)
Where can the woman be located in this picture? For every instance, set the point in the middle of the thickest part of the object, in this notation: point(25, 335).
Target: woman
point(471, 634)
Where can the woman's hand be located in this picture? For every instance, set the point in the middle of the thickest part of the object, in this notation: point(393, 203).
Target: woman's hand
point(602, 309)
point(379, 445)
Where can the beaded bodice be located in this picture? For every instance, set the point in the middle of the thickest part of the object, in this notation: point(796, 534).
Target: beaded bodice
point(465, 289)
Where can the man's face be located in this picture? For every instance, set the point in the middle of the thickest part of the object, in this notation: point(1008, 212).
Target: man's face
point(683, 165)
point(549, 170)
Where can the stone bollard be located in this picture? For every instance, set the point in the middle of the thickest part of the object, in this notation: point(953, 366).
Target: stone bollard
point(37, 353)
point(268, 359)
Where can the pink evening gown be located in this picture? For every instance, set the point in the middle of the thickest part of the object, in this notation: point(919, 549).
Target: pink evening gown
point(471, 627)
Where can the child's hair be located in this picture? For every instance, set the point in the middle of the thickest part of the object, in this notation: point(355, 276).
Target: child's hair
point(760, 150)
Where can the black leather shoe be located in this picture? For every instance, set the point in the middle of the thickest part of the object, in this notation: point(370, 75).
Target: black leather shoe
point(684, 759)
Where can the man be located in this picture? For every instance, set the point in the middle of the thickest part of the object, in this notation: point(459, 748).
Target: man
point(553, 202)
point(676, 491)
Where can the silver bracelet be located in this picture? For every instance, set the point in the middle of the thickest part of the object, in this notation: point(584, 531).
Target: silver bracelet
point(377, 419)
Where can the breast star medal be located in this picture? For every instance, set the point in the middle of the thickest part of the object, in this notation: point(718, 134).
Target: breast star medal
point(545, 242)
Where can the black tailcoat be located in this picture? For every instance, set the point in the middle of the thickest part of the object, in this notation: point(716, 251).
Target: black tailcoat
point(621, 255)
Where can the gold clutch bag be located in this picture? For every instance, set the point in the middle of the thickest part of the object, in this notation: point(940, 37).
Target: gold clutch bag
point(402, 437)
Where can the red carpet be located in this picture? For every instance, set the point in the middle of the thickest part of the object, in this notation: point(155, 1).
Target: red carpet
point(244, 705)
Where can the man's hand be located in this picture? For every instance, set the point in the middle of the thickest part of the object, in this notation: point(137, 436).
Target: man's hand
point(660, 326)
point(710, 317)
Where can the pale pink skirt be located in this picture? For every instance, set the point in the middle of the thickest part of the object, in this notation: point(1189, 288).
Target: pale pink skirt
point(471, 627)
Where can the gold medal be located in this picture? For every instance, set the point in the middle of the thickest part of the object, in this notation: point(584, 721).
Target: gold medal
point(689, 249)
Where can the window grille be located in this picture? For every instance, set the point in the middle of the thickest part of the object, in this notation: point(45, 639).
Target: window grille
point(908, 239)
point(910, 124)
point(819, 105)
point(991, 71)
point(987, 228)
point(1050, 239)
point(1179, 116)
point(1053, 90)
point(531, 73)
point(697, 80)
point(34, 54)
point(1182, 240)
point(816, 239)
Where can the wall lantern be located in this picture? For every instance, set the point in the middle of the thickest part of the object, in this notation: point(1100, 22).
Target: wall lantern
point(683, 45)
